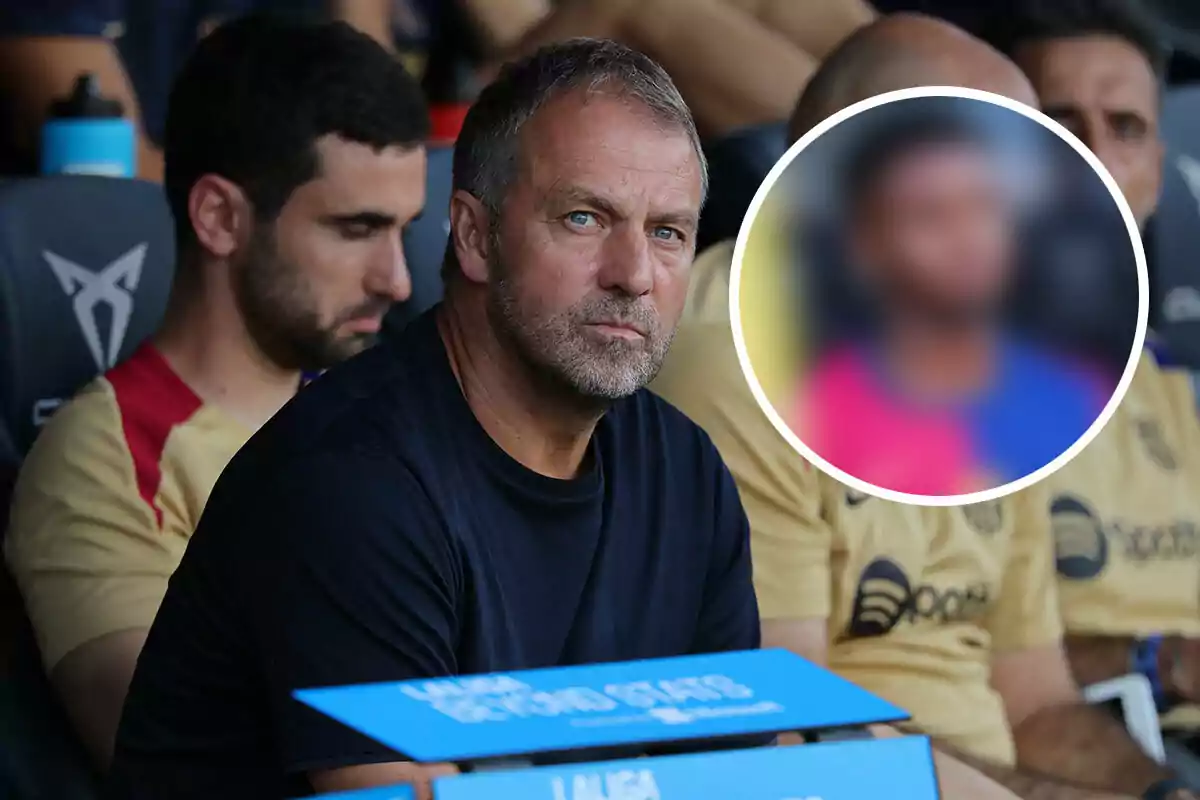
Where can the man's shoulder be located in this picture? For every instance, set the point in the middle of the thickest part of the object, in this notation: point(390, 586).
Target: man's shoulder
point(702, 376)
point(708, 291)
point(661, 435)
point(80, 476)
point(377, 408)
point(1058, 380)
point(655, 420)
point(382, 398)
point(1160, 395)
point(89, 425)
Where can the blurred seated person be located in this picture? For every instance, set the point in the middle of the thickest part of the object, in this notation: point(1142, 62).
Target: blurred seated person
point(949, 613)
point(133, 47)
point(289, 194)
point(939, 396)
point(1125, 511)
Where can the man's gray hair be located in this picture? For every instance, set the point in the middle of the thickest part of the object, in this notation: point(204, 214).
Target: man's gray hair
point(487, 153)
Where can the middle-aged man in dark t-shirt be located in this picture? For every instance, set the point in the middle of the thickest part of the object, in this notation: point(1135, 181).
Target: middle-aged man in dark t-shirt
point(492, 489)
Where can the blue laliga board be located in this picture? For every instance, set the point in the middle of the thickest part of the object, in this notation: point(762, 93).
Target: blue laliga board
point(896, 769)
point(481, 717)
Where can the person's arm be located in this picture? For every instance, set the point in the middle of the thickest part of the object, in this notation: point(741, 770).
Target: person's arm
point(957, 779)
point(91, 561)
point(816, 26)
point(93, 680)
point(1096, 658)
point(1061, 742)
point(503, 23)
point(1058, 734)
point(732, 70)
point(372, 17)
point(44, 48)
point(367, 590)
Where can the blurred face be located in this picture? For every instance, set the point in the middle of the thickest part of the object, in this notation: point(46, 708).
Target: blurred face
point(936, 232)
point(313, 286)
point(1103, 90)
point(588, 270)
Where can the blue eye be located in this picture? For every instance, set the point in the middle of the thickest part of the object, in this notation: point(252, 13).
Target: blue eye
point(581, 218)
point(667, 234)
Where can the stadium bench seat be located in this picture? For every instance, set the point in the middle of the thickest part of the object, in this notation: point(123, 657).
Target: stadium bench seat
point(737, 165)
point(1173, 238)
point(85, 269)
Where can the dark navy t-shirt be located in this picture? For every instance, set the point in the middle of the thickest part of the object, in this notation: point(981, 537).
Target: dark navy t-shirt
point(373, 531)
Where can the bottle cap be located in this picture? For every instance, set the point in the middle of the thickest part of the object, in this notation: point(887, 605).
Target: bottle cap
point(86, 102)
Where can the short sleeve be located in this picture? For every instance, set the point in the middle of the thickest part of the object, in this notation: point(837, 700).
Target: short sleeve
point(790, 543)
point(60, 18)
point(1026, 613)
point(83, 546)
point(364, 589)
point(1179, 390)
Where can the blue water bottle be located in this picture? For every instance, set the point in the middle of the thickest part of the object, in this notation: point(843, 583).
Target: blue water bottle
point(88, 134)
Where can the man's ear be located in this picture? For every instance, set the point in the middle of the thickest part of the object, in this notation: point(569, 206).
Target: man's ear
point(469, 225)
point(221, 215)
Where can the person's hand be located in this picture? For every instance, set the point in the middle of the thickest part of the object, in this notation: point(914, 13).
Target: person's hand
point(423, 786)
point(1179, 667)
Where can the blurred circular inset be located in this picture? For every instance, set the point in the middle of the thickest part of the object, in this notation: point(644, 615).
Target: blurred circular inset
point(939, 296)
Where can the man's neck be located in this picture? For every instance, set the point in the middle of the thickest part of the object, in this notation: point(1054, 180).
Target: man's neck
point(536, 425)
point(942, 361)
point(207, 345)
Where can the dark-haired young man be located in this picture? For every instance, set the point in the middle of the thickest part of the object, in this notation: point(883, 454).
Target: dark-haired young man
point(1125, 512)
point(1097, 66)
point(294, 159)
point(490, 490)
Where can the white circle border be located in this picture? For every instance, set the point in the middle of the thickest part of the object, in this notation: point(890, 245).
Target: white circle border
point(760, 396)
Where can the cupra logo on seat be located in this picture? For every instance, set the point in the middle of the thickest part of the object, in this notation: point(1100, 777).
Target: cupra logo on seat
point(113, 285)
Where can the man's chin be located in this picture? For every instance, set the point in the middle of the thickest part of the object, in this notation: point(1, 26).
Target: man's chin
point(333, 351)
point(610, 384)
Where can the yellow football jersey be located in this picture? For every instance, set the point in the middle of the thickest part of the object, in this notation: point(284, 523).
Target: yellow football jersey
point(770, 322)
point(107, 499)
point(1126, 512)
point(916, 599)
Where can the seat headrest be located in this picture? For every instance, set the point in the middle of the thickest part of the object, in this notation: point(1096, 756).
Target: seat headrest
point(85, 270)
point(1173, 240)
point(425, 242)
point(737, 165)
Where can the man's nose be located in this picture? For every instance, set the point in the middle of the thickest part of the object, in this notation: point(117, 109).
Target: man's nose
point(388, 275)
point(627, 262)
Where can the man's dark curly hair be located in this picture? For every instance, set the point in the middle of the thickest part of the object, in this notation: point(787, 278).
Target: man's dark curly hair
point(256, 95)
point(1023, 22)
